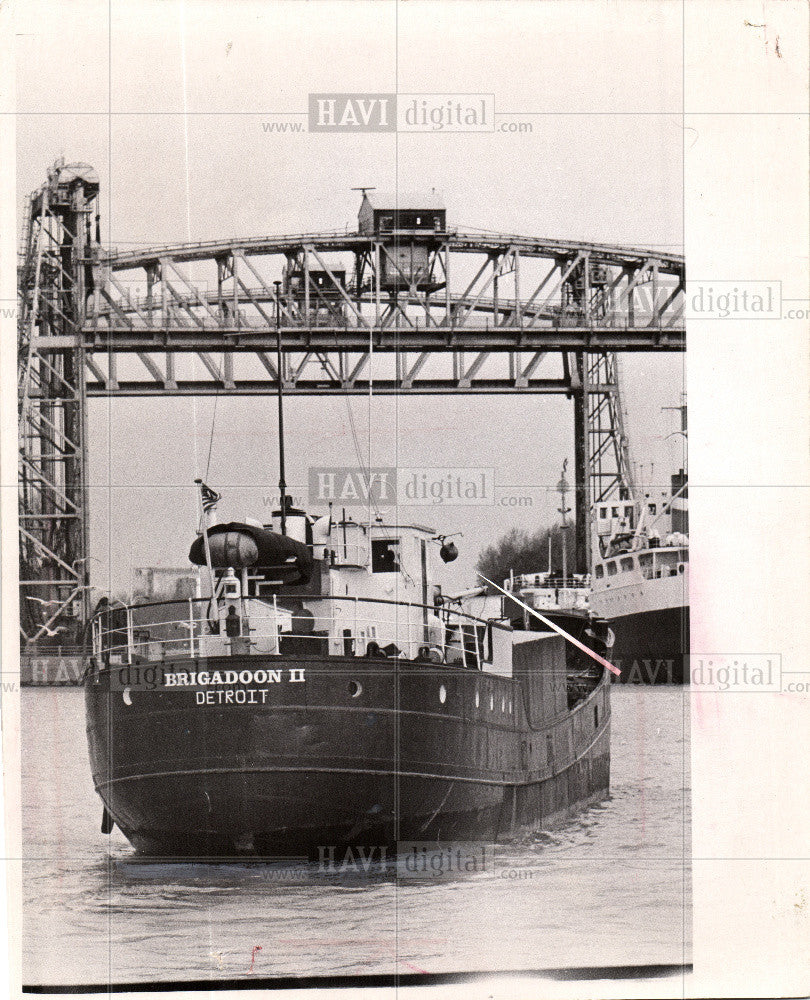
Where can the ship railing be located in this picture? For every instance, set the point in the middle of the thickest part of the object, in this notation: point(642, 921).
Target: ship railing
point(549, 582)
point(328, 626)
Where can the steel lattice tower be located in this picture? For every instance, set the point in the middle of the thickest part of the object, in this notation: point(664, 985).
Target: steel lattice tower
point(55, 277)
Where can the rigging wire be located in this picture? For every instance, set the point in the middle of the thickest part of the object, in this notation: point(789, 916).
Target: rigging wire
point(211, 438)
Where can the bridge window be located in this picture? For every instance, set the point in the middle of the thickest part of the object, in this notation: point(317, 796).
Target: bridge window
point(386, 222)
point(384, 555)
point(599, 571)
point(611, 568)
point(627, 563)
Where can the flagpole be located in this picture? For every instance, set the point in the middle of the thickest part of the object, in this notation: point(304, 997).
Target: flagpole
point(207, 545)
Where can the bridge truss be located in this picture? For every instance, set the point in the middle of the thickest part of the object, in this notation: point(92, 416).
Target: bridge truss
point(406, 312)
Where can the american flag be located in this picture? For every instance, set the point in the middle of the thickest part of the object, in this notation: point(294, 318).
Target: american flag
point(210, 498)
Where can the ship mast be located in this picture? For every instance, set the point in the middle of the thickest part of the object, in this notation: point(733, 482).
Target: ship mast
point(563, 510)
point(282, 485)
point(682, 410)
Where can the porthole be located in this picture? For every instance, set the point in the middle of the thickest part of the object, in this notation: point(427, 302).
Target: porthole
point(442, 694)
point(355, 689)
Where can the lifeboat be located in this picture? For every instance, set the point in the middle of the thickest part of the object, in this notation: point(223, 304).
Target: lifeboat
point(246, 546)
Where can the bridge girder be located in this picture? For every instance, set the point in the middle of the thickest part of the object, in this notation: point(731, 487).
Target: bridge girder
point(439, 312)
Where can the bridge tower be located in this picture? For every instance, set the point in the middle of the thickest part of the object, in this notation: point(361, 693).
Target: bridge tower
point(601, 450)
point(55, 276)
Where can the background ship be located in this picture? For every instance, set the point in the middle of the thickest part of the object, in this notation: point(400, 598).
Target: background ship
point(560, 597)
point(641, 584)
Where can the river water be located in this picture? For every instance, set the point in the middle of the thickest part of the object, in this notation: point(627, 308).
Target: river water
point(610, 888)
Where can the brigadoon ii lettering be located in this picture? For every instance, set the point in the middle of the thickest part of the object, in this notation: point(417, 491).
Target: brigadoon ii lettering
point(205, 678)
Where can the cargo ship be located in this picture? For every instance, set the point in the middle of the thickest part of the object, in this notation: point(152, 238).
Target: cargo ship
point(326, 692)
point(640, 583)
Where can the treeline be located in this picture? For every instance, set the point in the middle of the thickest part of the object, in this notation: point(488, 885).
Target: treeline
point(525, 552)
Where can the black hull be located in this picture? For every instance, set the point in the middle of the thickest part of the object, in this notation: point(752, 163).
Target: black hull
point(316, 767)
point(652, 647)
point(253, 804)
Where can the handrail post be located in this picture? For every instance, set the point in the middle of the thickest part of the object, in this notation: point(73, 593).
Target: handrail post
point(277, 643)
point(463, 641)
point(191, 628)
point(130, 636)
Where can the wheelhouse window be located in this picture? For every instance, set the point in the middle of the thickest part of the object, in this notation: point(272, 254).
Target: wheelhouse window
point(611, 568)
point(384, 555)
point(627, 563)
point(599, 571)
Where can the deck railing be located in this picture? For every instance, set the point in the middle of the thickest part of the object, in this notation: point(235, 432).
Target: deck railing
point(547, 582)
point(328, 626)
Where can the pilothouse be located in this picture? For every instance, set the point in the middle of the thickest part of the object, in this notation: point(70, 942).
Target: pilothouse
point(311, 591)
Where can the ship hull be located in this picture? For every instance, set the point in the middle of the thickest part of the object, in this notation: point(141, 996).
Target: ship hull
point(652, 647)
point(353, 751)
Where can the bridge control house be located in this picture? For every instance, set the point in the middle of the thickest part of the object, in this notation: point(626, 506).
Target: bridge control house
point(413, 220)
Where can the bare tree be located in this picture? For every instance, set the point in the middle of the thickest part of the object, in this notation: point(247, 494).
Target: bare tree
point(524, 552)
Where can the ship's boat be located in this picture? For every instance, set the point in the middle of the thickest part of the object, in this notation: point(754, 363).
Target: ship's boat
point(241, 546)
point(328, 692)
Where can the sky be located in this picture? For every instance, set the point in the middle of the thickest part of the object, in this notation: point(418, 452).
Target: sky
point(169, 103)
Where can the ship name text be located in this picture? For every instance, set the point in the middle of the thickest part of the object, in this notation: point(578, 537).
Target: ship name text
point(205, 678)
